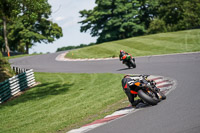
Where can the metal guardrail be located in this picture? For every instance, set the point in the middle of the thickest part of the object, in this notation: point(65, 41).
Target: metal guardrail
point(14, 85)
point(18, 70)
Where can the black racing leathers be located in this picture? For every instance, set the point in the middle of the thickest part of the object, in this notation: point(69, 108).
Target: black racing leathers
point(127, 90)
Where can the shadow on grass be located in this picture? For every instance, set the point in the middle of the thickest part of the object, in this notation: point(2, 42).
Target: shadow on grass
point(40, 92)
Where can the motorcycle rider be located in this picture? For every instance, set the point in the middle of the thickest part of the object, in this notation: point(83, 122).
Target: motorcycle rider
point(127, 90)
point(123, 55)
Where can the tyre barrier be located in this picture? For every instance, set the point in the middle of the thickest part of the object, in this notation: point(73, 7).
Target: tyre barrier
point(16, 84)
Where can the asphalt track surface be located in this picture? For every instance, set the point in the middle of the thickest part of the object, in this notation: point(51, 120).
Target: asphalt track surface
point(180, 113)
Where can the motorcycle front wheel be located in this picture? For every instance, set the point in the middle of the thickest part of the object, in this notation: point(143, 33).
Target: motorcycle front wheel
point(133, 63)
point(148, 97)
point(163, 96)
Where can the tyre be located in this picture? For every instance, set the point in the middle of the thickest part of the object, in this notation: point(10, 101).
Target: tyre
point(147, 97)
point(128, 65)
point(133, 64)
point(162, 95)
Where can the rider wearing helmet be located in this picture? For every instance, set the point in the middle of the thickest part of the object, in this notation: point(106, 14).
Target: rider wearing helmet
point(123, 55)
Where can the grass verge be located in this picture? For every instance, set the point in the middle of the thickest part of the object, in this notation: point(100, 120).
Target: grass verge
point(19, 56)
point(156, 44)
point(62, 102)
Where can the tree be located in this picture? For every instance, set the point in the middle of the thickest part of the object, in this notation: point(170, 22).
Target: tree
point(170, 11)
point(6, 10)
point(35, 24)
point(30, 24)
point(177, 14)
point(157, 26)
point(112, 20)
point(191, 15)
point(147, 11)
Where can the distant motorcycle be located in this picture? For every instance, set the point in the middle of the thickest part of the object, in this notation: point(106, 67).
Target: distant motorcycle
point(129, 61)
point(146, 90)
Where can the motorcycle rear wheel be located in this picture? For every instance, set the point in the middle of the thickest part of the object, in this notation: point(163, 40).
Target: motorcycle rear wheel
point(128, 65)
point(148, 98)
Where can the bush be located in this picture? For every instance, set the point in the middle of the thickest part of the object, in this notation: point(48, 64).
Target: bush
point(5, 69)
point(157, 26)
point(74, 47)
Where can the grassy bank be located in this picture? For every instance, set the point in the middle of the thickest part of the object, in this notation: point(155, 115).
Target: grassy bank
point(62, 102)
point(163, 43)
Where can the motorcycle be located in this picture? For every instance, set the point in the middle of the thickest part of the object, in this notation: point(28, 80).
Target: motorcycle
point(129, 61)
point(146, 90)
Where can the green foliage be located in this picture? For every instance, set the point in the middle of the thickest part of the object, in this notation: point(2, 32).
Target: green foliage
point(112, 20)
point(157, 26)
point(191, 15)
point(5, 69)
point(179, 14)
point(119, 19)
point(147, 11)
point(28, 23)
point(74, 47)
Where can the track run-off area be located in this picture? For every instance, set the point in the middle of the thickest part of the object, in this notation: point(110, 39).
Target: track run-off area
point(179, 113)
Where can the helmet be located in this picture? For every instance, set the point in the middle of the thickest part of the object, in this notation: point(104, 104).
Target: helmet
point(121, 51)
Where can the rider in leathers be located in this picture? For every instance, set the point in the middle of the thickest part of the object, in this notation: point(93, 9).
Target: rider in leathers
point(123, 53)
point(126, 89)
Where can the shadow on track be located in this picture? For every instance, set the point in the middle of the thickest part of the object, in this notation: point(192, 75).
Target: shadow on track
point(140, 105)
point(123, 69)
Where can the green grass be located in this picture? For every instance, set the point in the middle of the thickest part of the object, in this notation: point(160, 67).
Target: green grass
point(156, 44)
point(19, 56)
point(62, 102)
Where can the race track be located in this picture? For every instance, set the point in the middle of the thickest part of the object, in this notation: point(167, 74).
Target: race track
point(180, 113)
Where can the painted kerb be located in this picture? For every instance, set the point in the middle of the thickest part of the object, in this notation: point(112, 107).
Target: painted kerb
point(14, 85)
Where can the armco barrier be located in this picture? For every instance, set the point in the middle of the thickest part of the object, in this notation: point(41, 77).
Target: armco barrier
point(14, 85)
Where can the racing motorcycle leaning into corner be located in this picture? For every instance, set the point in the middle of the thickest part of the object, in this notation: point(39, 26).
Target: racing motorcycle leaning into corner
point(146, 89)
point(127, 59)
